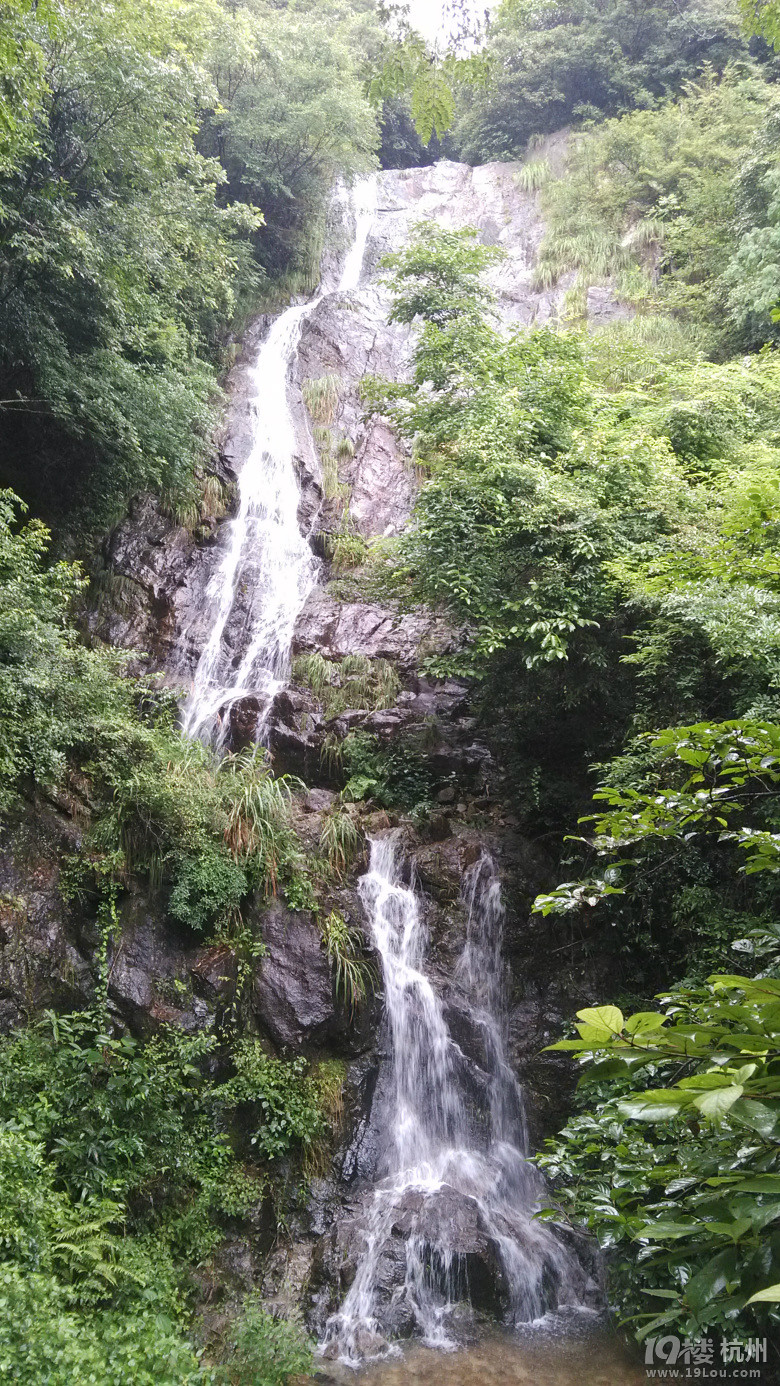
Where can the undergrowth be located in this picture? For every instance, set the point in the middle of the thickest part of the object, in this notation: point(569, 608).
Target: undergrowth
point(353, 682)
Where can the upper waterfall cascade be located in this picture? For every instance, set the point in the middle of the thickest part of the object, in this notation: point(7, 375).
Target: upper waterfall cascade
point(267, 560)
point(235, 613)
point(456, 1131)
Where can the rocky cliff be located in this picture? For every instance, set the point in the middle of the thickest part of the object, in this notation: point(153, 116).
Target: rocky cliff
point(357, 483)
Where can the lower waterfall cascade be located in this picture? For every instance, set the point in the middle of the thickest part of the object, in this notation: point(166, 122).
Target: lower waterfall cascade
point(448, 1147)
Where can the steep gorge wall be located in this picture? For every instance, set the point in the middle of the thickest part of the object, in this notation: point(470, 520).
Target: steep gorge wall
point(160, 572)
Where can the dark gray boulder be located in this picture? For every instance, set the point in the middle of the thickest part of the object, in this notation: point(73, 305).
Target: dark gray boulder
point(292, 997)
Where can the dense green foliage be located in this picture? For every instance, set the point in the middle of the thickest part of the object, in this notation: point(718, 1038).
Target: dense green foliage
point(72, 723)
point(678, 205)
point(117, 265)
point(561, 511)
point(267, 1351)
point(161, 167)
point(684, 1179)
point(600, 519)
point(292, 117)
point(679, 1168)
point(117, 1178)
point(142, 141)
point(556, 64)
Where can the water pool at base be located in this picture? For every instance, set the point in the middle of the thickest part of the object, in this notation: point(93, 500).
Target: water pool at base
point(585, 1356)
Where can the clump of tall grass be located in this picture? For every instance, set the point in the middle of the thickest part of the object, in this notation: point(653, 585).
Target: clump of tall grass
point(533, 175)
point(312, 670)
point(345, 448)
point(321, 397)
point(352, 975)
point(328, 1076)
point(340, 840)
point(210, 830)
point(258, 812)
point(333, 488)
point(592, 250)
point(322, 437)
point(212, 504)
point(345, 551)
point(332, 754)
point(353, 682)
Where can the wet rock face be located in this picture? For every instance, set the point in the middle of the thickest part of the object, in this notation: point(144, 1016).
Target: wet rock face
point(157, 573)
point(293, 990)
point(243, 717)
point(337, 629)
point(41, 962)
point(159, 975)
point(447, 1230)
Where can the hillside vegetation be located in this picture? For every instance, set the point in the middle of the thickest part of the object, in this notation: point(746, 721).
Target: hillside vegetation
point(599, 514)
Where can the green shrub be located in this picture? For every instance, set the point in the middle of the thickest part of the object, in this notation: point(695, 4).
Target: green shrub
point(266, 1351)
point(674, 1162)
point(207, 888)
point(396, 777)
point(118, 1119)
point(340, 840)
point(352, 682)
point(285, 1094)
point(679, 1176)
point(665, 203)
point(43, 1338)
point(116, 1176)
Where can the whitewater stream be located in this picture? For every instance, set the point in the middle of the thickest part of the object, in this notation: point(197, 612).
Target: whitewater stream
point(268, 568)
point(451, 1158)
point(454, 1188)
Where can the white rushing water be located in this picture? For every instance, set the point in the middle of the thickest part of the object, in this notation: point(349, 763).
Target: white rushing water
point(268, 568)
point(470, 1155)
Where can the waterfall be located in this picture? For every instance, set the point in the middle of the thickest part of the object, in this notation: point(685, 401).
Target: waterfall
point(267, 569)
point(455, 1159)
point(364, 198)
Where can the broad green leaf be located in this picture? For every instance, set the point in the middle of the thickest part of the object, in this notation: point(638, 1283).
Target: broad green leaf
point(770, 1295)
point(705, 1081)
point(716, 1103)
point(759, 1116)
point(605, 1070)
point(649, 1108)
point(663, 1231)
point(712, 1280)
point(607, 1018)
point(641, 1021)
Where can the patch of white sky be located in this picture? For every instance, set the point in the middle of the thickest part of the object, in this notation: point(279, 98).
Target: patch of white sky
point(439, 21)
point(427, 17)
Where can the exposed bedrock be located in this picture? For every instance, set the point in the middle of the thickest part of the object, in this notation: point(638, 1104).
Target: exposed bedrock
point(157, 594)
point(461, 1249)
point(156, 572)
point(159, 973)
